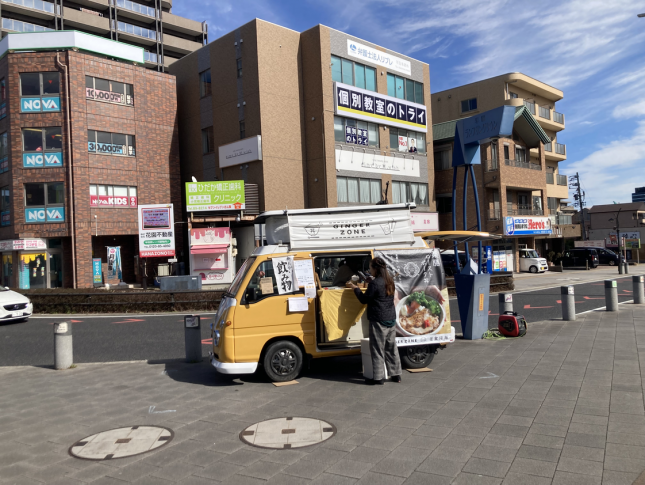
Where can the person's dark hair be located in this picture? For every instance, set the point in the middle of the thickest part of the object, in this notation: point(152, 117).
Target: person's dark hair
point(381, 270)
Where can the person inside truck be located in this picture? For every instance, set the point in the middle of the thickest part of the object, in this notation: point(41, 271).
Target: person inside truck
point(346, 270)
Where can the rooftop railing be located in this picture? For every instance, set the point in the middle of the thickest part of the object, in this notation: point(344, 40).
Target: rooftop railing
point(136, 7)
point(19, 26)
point(520, 164)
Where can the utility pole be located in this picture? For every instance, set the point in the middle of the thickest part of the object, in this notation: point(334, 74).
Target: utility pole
point(579, 196)
point(620, 256)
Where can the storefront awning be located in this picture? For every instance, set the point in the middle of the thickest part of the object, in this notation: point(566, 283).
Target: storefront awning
point(209, 249)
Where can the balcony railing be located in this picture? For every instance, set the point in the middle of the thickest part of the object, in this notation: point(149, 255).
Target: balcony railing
point(562, 180)
point(560, 219)
point(560, 149)
point(523, 210)
point(545, 113)
point(492, 165)
point(494, 215)
point(548, 147)
point(149, 56)
point(558, 117)
point(530, 106)
point(134, 30)
point(19, 26)
point(136, 7)
point(550, 178)
point(35, 4)
point(517, 163)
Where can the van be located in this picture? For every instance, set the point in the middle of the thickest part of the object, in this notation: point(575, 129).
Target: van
point(580, 257)
point(605, 256)
point(288, 302)
point(532, 262)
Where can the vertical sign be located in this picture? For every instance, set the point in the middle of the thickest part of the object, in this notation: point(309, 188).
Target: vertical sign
point(284, 272)
point(114, 262)
point(156, 231)
point(96, 267)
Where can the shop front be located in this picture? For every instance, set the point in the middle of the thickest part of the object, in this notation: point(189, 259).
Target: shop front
point(211, 255)
point(524, 232)
point(32, 263)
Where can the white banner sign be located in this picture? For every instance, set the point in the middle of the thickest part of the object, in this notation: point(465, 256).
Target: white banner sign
point(359, 161)
point(239, 152)
point(20, 244)
point(424, 221)
point(156, 231)
point(598, 243)
point(380, 58)
point(368, 229)
point(284, 274)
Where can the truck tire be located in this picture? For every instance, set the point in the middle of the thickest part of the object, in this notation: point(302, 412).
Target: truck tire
point(282, 361)
point(417, 356)
point(533, 269)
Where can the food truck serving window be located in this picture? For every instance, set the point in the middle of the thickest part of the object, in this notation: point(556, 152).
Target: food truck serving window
point(337, 270)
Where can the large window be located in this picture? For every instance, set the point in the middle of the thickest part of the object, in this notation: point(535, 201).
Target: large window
point(5, 206)
point(39, 91)
point(468, 105)
point(207, 140)
point(520, 154)
point(44, 202)
point(353, 73)
point(402, 88)
point(403, 192)
point(42, 147)
point(205, 83)
point(352, 190)
point(442, 159)
point(110, 143)
point(355, 132)
point(407, 141)
point(113, 196)
point(444, 204)
point(110, 91)
point(4, 153)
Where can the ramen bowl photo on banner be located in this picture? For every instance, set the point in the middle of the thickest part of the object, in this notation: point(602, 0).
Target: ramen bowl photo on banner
point(421, 294)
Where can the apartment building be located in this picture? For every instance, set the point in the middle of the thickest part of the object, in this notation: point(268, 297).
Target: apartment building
point(314, 119)
point(84, 140)
point(519, 176)
point(148, 24)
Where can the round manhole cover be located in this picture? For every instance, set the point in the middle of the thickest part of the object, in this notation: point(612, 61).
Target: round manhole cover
point(285, 433)
point(121, 442)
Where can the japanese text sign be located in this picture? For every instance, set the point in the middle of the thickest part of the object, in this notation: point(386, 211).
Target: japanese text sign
point(284, 273)
point(156, 231)
point(380, 58)
point(213, 196)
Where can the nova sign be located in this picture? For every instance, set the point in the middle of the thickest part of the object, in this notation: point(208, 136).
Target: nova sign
point(37, 215)
point(36, 105)
point(40, 160)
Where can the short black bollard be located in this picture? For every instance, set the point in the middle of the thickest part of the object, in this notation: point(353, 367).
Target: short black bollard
point(638, 283)
point(611, 295)
point(568, 303)
point(63, 348)
point(505, 302)
point(626, 267)
point(620, 266)
point(193, 338)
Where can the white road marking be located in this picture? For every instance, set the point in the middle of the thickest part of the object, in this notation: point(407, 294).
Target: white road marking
point(151, 410)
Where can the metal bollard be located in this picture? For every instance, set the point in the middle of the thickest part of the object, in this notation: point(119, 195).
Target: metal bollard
point(638, 284)
point(620, 266)
point(626, 267)
point(611, 295)
point(505, 302)
point(568, 303)
point(587, 265)
point(63, 349)
point(193, 338)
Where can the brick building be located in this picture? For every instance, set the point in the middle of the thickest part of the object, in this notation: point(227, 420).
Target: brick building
point(65, 198)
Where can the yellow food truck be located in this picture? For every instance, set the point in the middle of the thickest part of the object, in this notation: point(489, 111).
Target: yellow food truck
point(289, 302)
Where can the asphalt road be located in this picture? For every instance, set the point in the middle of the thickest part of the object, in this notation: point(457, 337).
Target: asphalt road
point(161, 337)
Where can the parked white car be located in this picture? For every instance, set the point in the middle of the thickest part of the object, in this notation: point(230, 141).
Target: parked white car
point(532, 262)
point(14, 306)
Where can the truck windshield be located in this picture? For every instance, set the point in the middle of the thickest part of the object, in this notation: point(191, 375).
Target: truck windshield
point(531, 254)
point(237, 281)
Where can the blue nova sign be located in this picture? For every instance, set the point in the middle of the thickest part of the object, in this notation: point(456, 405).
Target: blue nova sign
point(36, 105)
point(40, 160)
point(38, 215)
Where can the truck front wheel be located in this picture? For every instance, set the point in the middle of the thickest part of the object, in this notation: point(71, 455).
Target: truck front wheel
point(417, 356)
point(283, 361)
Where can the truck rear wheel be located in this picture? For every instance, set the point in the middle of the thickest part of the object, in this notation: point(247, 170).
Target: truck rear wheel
point(282, 361)
point(417, 356)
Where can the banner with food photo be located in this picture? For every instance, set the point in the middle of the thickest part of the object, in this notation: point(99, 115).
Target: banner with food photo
point(421, 294)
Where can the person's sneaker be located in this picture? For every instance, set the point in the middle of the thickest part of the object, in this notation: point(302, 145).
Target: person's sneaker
point(396, 378)
point(370, 382)
point(379, 382)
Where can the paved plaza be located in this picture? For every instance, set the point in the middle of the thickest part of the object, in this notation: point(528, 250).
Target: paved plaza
point(563, 405)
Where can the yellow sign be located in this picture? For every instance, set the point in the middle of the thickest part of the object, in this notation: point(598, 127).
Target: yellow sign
point(481, 302)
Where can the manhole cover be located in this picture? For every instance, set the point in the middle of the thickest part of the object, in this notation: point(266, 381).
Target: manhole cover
point(121, 442)
point(287, 433)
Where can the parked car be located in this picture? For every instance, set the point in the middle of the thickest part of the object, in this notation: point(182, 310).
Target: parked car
point(578, 257)
point(606, 256)
point(14, 306)
point(449, 263)
point(531, 261)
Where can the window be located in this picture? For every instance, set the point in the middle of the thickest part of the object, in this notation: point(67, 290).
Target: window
point(5, 206)
point(110, 143)
point(254, 293)
point(507, 155)
point(406, 141)
point(44, 202)
point(242, 130)
point(4, 153)
point(207, 140)
point(205, 83)
point(3, 90)
point(552, 204)
point(337, 270)
point(352, 190)
point(520, 154)
point(239, 71)
point(110, 91)
point(113, 196)
point(513, 95)
point(403, 192)
point(442, 159)
point(444, 204)
point(355, 132)
point(42, 147)
point(39, 91)
point(402, 88)
point(468, 105)
point(353, 73)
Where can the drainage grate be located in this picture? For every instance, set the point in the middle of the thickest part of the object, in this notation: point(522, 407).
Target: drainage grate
point(287, 433)
point(121, 442)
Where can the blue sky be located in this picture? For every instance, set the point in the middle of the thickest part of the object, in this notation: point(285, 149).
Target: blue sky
point(593, 50)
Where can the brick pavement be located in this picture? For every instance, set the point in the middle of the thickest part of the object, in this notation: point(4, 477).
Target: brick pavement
point(563, 405)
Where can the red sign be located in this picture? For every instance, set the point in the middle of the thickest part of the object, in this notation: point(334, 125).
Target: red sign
point(112, 201)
